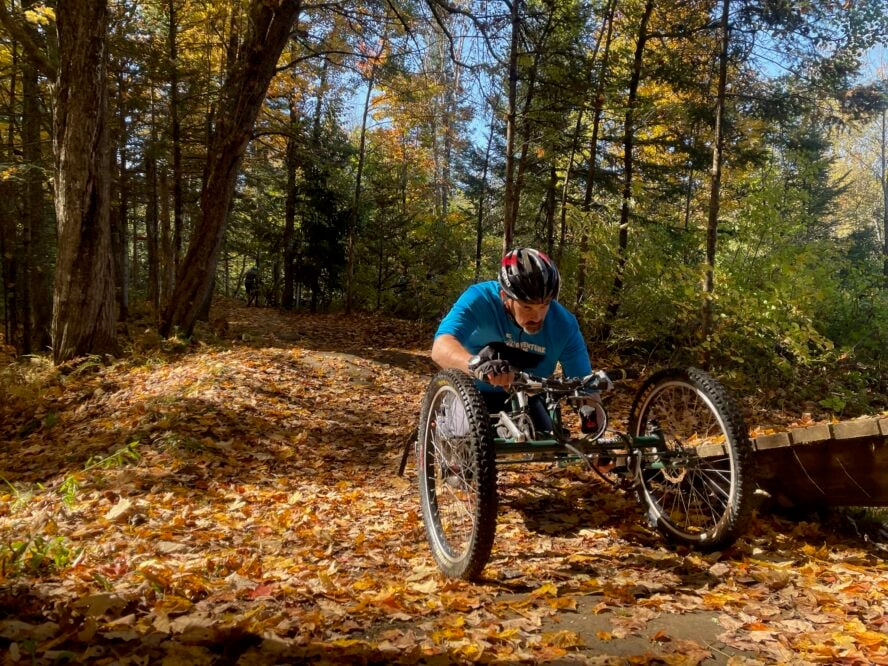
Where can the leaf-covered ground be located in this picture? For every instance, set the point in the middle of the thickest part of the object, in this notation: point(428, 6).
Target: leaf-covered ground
point(235, 501)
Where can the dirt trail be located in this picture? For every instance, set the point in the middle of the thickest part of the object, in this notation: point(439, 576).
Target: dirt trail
point(259, 520)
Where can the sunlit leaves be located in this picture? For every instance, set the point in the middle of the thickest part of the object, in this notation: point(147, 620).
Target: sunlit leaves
point(40, 15)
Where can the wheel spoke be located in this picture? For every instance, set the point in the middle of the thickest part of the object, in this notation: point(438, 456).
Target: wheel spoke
point(692, 498)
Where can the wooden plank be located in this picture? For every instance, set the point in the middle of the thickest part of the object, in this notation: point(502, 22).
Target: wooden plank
point(851, 472)
point(843, 464)
point(810, 435)
point(855, 429)
point(775, 441)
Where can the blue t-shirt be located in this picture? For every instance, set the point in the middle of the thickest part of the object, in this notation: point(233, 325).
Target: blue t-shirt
point(479, 317)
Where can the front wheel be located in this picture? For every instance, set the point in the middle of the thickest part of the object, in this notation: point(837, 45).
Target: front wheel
point(457, 475)
point(698, 487)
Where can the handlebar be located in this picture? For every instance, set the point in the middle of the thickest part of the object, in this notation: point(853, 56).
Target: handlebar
point(601, 380)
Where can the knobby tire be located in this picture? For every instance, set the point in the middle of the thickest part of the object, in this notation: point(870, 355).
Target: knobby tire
point(457, 477)
point(703, 501)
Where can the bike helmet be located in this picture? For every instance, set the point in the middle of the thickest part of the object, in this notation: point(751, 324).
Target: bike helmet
point(529, 276)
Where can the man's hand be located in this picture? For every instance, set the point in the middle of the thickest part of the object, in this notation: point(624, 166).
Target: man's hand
point(489, 367)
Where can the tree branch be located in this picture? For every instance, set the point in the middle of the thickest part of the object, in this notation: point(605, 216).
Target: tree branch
point(318, 54)
point(450, 8)
point(400, 17)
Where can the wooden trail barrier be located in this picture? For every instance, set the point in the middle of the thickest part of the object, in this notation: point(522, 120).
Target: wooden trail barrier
point(841, 464)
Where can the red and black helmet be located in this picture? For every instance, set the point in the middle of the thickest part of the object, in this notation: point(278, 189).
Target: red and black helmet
point(529, 276)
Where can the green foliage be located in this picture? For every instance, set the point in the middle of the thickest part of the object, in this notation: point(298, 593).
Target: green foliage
point(22, 497)
point(37, 556)
point(68, 490)
point(122, 456)
point(47, 553)
point(856, 315)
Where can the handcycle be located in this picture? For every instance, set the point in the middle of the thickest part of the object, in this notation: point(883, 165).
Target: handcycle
point(686, 456)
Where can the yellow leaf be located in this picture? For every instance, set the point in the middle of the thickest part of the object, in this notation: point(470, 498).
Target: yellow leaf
point(506, 634)
point(469, 651)
point(172, 604)
point(562, 603)
point(40, 15)
point(448, 634)
point(549, 589)
point(563, 639)
point(870, 638)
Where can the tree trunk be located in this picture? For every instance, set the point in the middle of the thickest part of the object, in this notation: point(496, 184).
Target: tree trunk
point(380, 272)
point(606, 27)
point(152, 237)
point(884, 175)
point(175, 129)
point(83, 316)
point(353, 224)
point(118, 255)
point(452, 83)
point(551, 198)
point(527, 126)
point(39, 257)
point(718, 145)
point(8, 196)
point(628, 145)
point(241, 98)
point(167, 263)
point(482, 196)
point(290, 207)
point(509, 195)
point(574, 145)
point(436, 167)
point(598, 108)
point(120, 220)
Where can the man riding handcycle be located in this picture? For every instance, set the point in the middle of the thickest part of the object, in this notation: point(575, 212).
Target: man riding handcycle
point(686, 455)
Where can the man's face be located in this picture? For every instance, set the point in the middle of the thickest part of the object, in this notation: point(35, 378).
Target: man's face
point(529, 316)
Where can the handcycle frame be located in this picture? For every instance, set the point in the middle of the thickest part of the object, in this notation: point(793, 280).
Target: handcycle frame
point(686, 457)
point(561, 447)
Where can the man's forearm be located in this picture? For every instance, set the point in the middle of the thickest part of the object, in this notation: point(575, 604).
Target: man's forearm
point(448, 352)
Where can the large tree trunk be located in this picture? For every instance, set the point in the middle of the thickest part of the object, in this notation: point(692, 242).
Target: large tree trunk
point(628, 147)
point(718, 145)
point(241, 98)
point(83, 316)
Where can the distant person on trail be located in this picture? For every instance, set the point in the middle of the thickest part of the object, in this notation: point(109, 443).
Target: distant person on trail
point(514, 320)
point(251, 284)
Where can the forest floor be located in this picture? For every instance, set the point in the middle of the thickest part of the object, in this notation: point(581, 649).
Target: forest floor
point(234, 500)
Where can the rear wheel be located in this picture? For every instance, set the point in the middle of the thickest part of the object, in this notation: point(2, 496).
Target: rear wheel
point(699, 490)
point(457, 475)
